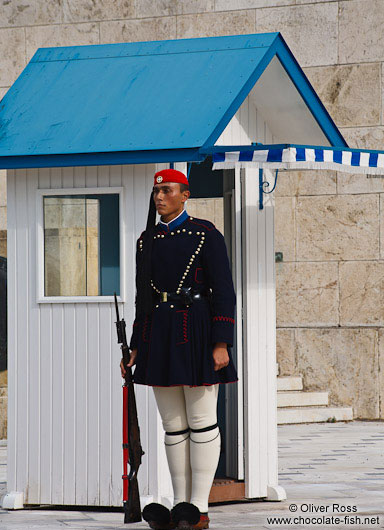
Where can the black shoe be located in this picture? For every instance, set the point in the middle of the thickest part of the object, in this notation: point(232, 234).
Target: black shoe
point(158, 516)
point(185, 515)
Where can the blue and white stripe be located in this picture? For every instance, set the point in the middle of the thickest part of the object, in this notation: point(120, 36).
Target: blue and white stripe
point(368, 162)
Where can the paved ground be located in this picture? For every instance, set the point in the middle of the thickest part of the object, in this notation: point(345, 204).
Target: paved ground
point(336, 466)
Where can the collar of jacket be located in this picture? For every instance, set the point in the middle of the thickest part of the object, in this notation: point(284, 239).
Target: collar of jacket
point(175, 222)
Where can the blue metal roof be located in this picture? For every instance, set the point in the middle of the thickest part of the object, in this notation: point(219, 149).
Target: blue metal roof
point(138, 102)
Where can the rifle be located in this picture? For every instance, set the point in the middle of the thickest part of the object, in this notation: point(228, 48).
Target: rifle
point(132, 450)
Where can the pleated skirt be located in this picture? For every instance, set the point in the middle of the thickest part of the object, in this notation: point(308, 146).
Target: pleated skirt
point(175, 348)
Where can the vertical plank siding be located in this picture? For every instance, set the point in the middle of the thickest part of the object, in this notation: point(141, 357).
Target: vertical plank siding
point(23, 422)
point(65, 387)
point(257, 384)
point(12, 330)
point(259, 339)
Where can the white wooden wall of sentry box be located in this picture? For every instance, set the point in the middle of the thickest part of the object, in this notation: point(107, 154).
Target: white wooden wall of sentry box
point(64, 382)
point(65, 386)
point(257, 449)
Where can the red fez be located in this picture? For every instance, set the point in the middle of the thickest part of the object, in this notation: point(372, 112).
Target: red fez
point(170, 175)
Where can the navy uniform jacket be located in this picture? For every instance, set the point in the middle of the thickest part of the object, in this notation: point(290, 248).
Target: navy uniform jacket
point(175, 343)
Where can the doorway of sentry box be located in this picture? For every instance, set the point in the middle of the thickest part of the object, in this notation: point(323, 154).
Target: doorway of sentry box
point(216, 197)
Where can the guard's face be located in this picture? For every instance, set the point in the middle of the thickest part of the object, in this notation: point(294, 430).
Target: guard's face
point(168, 197)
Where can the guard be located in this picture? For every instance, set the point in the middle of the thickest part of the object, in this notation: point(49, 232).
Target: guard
point(181, 343)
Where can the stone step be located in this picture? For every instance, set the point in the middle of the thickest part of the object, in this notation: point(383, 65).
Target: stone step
point(289, 382)
point(313, 414)
point(301, 398)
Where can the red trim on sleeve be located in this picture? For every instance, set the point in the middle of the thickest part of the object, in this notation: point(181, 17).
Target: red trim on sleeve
point(221, 318)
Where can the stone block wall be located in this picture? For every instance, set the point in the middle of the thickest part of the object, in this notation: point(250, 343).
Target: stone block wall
point(211, 209)
point(329, 226)
point(330, 286)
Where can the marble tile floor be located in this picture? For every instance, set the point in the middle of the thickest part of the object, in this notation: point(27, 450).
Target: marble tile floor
point(326, 469)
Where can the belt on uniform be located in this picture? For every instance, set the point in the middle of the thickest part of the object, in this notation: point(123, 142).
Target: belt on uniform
point(187, 295)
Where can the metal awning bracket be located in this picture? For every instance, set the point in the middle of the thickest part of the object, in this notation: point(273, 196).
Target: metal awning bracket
point(264, 184)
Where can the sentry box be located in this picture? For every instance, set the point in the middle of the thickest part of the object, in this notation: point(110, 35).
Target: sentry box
point(82, 131)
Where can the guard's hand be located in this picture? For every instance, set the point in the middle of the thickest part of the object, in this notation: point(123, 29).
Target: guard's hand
point(220, 356)
point(132, 361)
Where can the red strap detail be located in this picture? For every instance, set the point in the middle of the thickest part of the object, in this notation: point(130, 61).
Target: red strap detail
point(185, 325)
point(144, 330)
point(125, 442)
point(197, 269)
point(202, 224)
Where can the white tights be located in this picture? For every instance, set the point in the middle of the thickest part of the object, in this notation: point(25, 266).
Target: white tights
point(192, 456)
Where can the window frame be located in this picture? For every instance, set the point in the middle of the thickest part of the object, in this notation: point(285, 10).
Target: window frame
point(40, 266)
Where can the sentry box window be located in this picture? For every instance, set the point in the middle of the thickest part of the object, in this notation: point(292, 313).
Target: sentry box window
point(80, 235)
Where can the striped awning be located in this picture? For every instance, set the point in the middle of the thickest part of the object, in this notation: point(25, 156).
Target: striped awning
point(298, 157)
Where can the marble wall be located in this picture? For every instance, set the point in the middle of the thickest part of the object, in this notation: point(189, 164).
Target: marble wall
point(330, 287)
point(329, 226)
